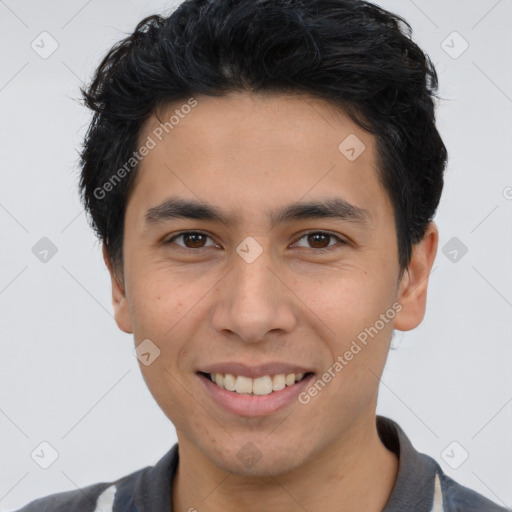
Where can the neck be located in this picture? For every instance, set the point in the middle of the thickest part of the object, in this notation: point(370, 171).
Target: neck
point(358, 473)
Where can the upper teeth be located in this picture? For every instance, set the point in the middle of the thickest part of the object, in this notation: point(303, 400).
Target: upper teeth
point(260, 386)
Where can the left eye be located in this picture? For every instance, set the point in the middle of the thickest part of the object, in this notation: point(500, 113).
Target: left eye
point(318, 238)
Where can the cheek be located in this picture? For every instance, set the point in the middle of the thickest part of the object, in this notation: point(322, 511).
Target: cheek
point(163, 312)
point(163, 383)
point(353, 299)
point(358, 311)
point(158, 300)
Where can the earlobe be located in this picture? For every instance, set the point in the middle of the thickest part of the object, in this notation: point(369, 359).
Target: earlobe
point(412, 293)
point(119, 300)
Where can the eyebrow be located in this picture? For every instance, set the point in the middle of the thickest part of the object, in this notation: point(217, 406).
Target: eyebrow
point(330, 208)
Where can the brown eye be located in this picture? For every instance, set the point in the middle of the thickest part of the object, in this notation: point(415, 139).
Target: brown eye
point(194, 240)
point(320, 241)
point(191, 240)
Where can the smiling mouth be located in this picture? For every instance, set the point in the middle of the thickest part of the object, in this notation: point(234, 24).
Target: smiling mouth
point(264, 385)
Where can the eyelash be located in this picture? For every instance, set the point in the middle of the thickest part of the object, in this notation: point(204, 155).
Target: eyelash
point(322, 250)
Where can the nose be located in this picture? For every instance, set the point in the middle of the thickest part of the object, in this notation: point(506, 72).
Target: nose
point(253, 300)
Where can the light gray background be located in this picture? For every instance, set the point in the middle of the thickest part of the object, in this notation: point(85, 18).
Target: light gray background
point(69, 377)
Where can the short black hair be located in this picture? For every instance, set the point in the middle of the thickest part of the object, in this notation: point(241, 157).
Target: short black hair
point(352, 53)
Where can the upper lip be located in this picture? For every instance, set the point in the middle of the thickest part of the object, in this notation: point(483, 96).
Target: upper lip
point(254, 371)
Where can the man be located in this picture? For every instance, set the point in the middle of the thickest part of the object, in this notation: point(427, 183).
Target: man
point(263, 176)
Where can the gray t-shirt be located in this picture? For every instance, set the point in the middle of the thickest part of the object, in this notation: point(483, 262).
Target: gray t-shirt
point(421, 486)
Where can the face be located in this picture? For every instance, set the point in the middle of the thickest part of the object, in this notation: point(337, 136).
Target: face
point(250, 287)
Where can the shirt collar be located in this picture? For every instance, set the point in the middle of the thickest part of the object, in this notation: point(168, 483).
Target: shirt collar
point(414, 486)
point(413, 490)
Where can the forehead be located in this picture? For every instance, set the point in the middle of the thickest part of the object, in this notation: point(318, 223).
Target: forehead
point(229, 123)
point(254, 150)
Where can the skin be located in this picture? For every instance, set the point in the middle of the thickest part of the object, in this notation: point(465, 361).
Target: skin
point(246, 154)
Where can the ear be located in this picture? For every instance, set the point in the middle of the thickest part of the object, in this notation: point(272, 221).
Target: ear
point(119, 301)
point(412, 294)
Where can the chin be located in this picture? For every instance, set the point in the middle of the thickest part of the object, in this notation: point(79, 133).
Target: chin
point(257, 458)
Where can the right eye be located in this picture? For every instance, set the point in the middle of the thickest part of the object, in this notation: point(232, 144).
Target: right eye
point(192, 240)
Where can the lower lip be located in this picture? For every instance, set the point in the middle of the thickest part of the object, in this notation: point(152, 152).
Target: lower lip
point(254, 405)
